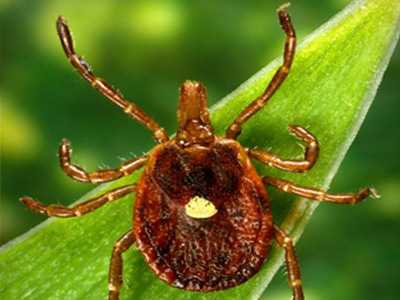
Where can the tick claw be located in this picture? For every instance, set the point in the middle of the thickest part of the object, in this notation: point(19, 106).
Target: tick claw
point(26, 200)
point(65, 142)
point(298, 131)
point(283, 8)
point(374, 193)
point(33, 205)
point(29, 202)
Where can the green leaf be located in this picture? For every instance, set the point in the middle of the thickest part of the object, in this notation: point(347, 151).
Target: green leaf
point(334, 78)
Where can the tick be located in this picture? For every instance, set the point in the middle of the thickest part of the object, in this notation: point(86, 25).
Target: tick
point(202, 217)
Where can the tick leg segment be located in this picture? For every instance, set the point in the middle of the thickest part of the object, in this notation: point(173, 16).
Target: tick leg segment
point(290, 45)
point(102, 86)
point(310, 155)
point(77, 173)
point(115, 273)
point(320, 195)
point(79, 209)
point(292, 264)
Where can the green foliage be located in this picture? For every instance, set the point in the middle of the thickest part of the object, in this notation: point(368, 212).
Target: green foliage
point(334, 78)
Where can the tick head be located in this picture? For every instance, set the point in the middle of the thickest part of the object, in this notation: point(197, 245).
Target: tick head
point(193, 117)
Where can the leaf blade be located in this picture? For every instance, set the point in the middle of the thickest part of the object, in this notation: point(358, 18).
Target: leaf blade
point(39, 267)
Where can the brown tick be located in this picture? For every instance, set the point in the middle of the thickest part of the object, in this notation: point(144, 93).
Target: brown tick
point(202, 216)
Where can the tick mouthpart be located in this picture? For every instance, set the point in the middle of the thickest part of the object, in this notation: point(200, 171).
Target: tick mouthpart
point(193, 117)
point(193, 104)
point(200, 208)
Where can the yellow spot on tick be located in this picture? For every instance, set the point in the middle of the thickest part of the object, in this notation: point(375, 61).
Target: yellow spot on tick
point(200, 208)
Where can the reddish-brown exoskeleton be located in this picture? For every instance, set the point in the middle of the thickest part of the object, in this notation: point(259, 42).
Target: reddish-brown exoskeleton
point(202, 216)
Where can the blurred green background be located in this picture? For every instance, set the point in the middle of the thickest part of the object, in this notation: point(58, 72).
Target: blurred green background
point(147, 49)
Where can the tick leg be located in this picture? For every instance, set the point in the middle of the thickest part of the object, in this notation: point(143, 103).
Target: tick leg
point(79, 209)
point(77, 173)
point(292, 264)
point(290, 45)
point(319, 195)
point(102, 86)
point(115, 273)
point(310, 155)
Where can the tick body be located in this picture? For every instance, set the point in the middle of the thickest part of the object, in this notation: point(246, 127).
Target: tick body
point(207, 253)
point(202, 217)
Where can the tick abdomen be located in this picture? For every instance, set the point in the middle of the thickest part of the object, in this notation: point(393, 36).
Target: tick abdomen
point(202, 253)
